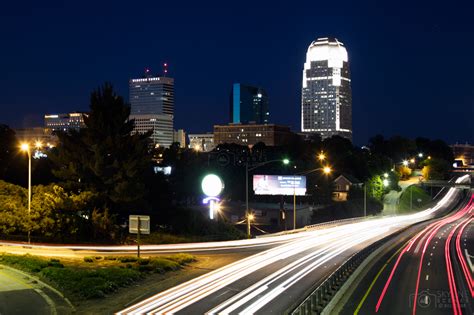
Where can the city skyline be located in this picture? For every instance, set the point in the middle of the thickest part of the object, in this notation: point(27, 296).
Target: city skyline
point(393, 64)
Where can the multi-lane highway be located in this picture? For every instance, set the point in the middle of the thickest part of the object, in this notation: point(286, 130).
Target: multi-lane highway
point(273, 280)
point(282, 270)
point(432, 273)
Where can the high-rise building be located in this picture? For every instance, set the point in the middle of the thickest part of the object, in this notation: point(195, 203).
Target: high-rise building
point(64, 122)
point(152, 107)
point(326, 106)
point(248, 104)
point(179, 136)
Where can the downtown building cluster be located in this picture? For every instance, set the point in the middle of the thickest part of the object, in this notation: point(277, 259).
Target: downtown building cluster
point(326, 107)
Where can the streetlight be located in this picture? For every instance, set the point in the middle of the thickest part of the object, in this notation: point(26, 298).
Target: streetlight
point(321, 156)
point(250, 218)
point(247, 170)
point(326, 170)
point(420, 155)
point(405, 162)
point(412, 161)
point(25, 147)
point(385, 175)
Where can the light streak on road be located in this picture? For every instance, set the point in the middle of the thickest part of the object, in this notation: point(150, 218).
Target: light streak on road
point(339, 238)
point(428, 234)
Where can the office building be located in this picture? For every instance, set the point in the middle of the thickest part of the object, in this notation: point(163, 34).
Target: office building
point(179, 136)
point(251, 134)
point(64, 122)
point(326, 106)
point(201, 142)
point(248, 104)
point(152, 107)
point(463, 154)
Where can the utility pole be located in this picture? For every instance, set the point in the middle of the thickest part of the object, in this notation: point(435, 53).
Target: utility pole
point(247, 212)
point(411, 198)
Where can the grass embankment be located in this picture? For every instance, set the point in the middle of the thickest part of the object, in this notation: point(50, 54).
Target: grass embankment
point(94, 277)
point(420, 199)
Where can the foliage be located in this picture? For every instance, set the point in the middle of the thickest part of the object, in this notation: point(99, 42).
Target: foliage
point(375, 187)
point(404, 172)
point(414, 198)
point(435, 169)
point(105, 157)
point(99, 277)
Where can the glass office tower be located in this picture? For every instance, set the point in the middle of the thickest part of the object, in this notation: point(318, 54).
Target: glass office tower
point(248, 104)
point(152, 107)
point(326, 94)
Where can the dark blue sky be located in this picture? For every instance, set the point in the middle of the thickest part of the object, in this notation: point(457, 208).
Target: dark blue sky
point(412, 62)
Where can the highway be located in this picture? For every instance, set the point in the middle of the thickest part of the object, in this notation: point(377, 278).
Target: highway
point(430, 273)
point(273, 280)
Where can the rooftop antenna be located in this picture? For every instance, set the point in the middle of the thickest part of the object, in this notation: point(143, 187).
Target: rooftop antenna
point(147, 72)
point(165, 69)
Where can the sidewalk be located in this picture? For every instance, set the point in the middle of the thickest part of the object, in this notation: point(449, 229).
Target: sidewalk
point(21, 293)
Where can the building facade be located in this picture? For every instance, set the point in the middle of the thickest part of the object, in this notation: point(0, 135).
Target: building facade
point(201, 142)
point(248, 104)
point(179, 136)
point(326, 105)
point(463, 153)
point(152, 107)
point(64, 122)
point(251, 134)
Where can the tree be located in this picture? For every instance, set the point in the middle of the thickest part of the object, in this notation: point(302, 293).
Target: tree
point(105, 157)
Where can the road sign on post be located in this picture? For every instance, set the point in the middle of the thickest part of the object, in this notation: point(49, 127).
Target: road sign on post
point(139, 224)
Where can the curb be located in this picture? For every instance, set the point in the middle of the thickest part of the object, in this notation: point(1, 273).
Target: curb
point(40, 282)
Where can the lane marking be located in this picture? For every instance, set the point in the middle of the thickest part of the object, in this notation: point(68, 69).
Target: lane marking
point(427, 277)
point(375, 280)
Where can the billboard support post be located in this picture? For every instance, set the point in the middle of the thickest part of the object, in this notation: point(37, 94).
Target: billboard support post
point(294, 203)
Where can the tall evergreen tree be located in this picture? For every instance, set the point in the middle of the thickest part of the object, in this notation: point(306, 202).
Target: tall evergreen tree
point(105, 157)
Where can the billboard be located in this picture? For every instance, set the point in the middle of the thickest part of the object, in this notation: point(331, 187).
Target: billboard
point(286, 185)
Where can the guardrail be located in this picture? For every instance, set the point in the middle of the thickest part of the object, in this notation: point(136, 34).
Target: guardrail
point(320, 297)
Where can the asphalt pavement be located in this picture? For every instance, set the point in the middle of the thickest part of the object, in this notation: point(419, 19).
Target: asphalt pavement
point(423, 272)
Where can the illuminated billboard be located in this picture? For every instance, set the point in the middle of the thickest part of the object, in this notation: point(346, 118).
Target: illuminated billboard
point(286, 185)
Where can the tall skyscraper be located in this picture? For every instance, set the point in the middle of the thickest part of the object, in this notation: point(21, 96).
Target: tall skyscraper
point(152, 107)
point(248, 104)
point(326, 106)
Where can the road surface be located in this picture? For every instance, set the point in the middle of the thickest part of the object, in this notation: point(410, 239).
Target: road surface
point(432, 273)
point(274, 280)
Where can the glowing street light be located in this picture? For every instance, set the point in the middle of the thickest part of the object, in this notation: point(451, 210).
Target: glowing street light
point(405, 162)
point(38, 145)
point(420, 155)
point(385, 175)
point(25, 147)
point(327, 170)
point(286, 161)
point(386, 182)
point(412, 161)
point(212, 186)
point(321, 156)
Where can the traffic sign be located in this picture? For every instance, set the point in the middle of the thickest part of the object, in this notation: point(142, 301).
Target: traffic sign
point(134, 221)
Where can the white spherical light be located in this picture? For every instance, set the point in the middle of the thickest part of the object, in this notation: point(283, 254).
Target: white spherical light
point(212, 185)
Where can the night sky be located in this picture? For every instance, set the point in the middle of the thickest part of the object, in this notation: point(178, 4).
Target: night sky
point(412, 62)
